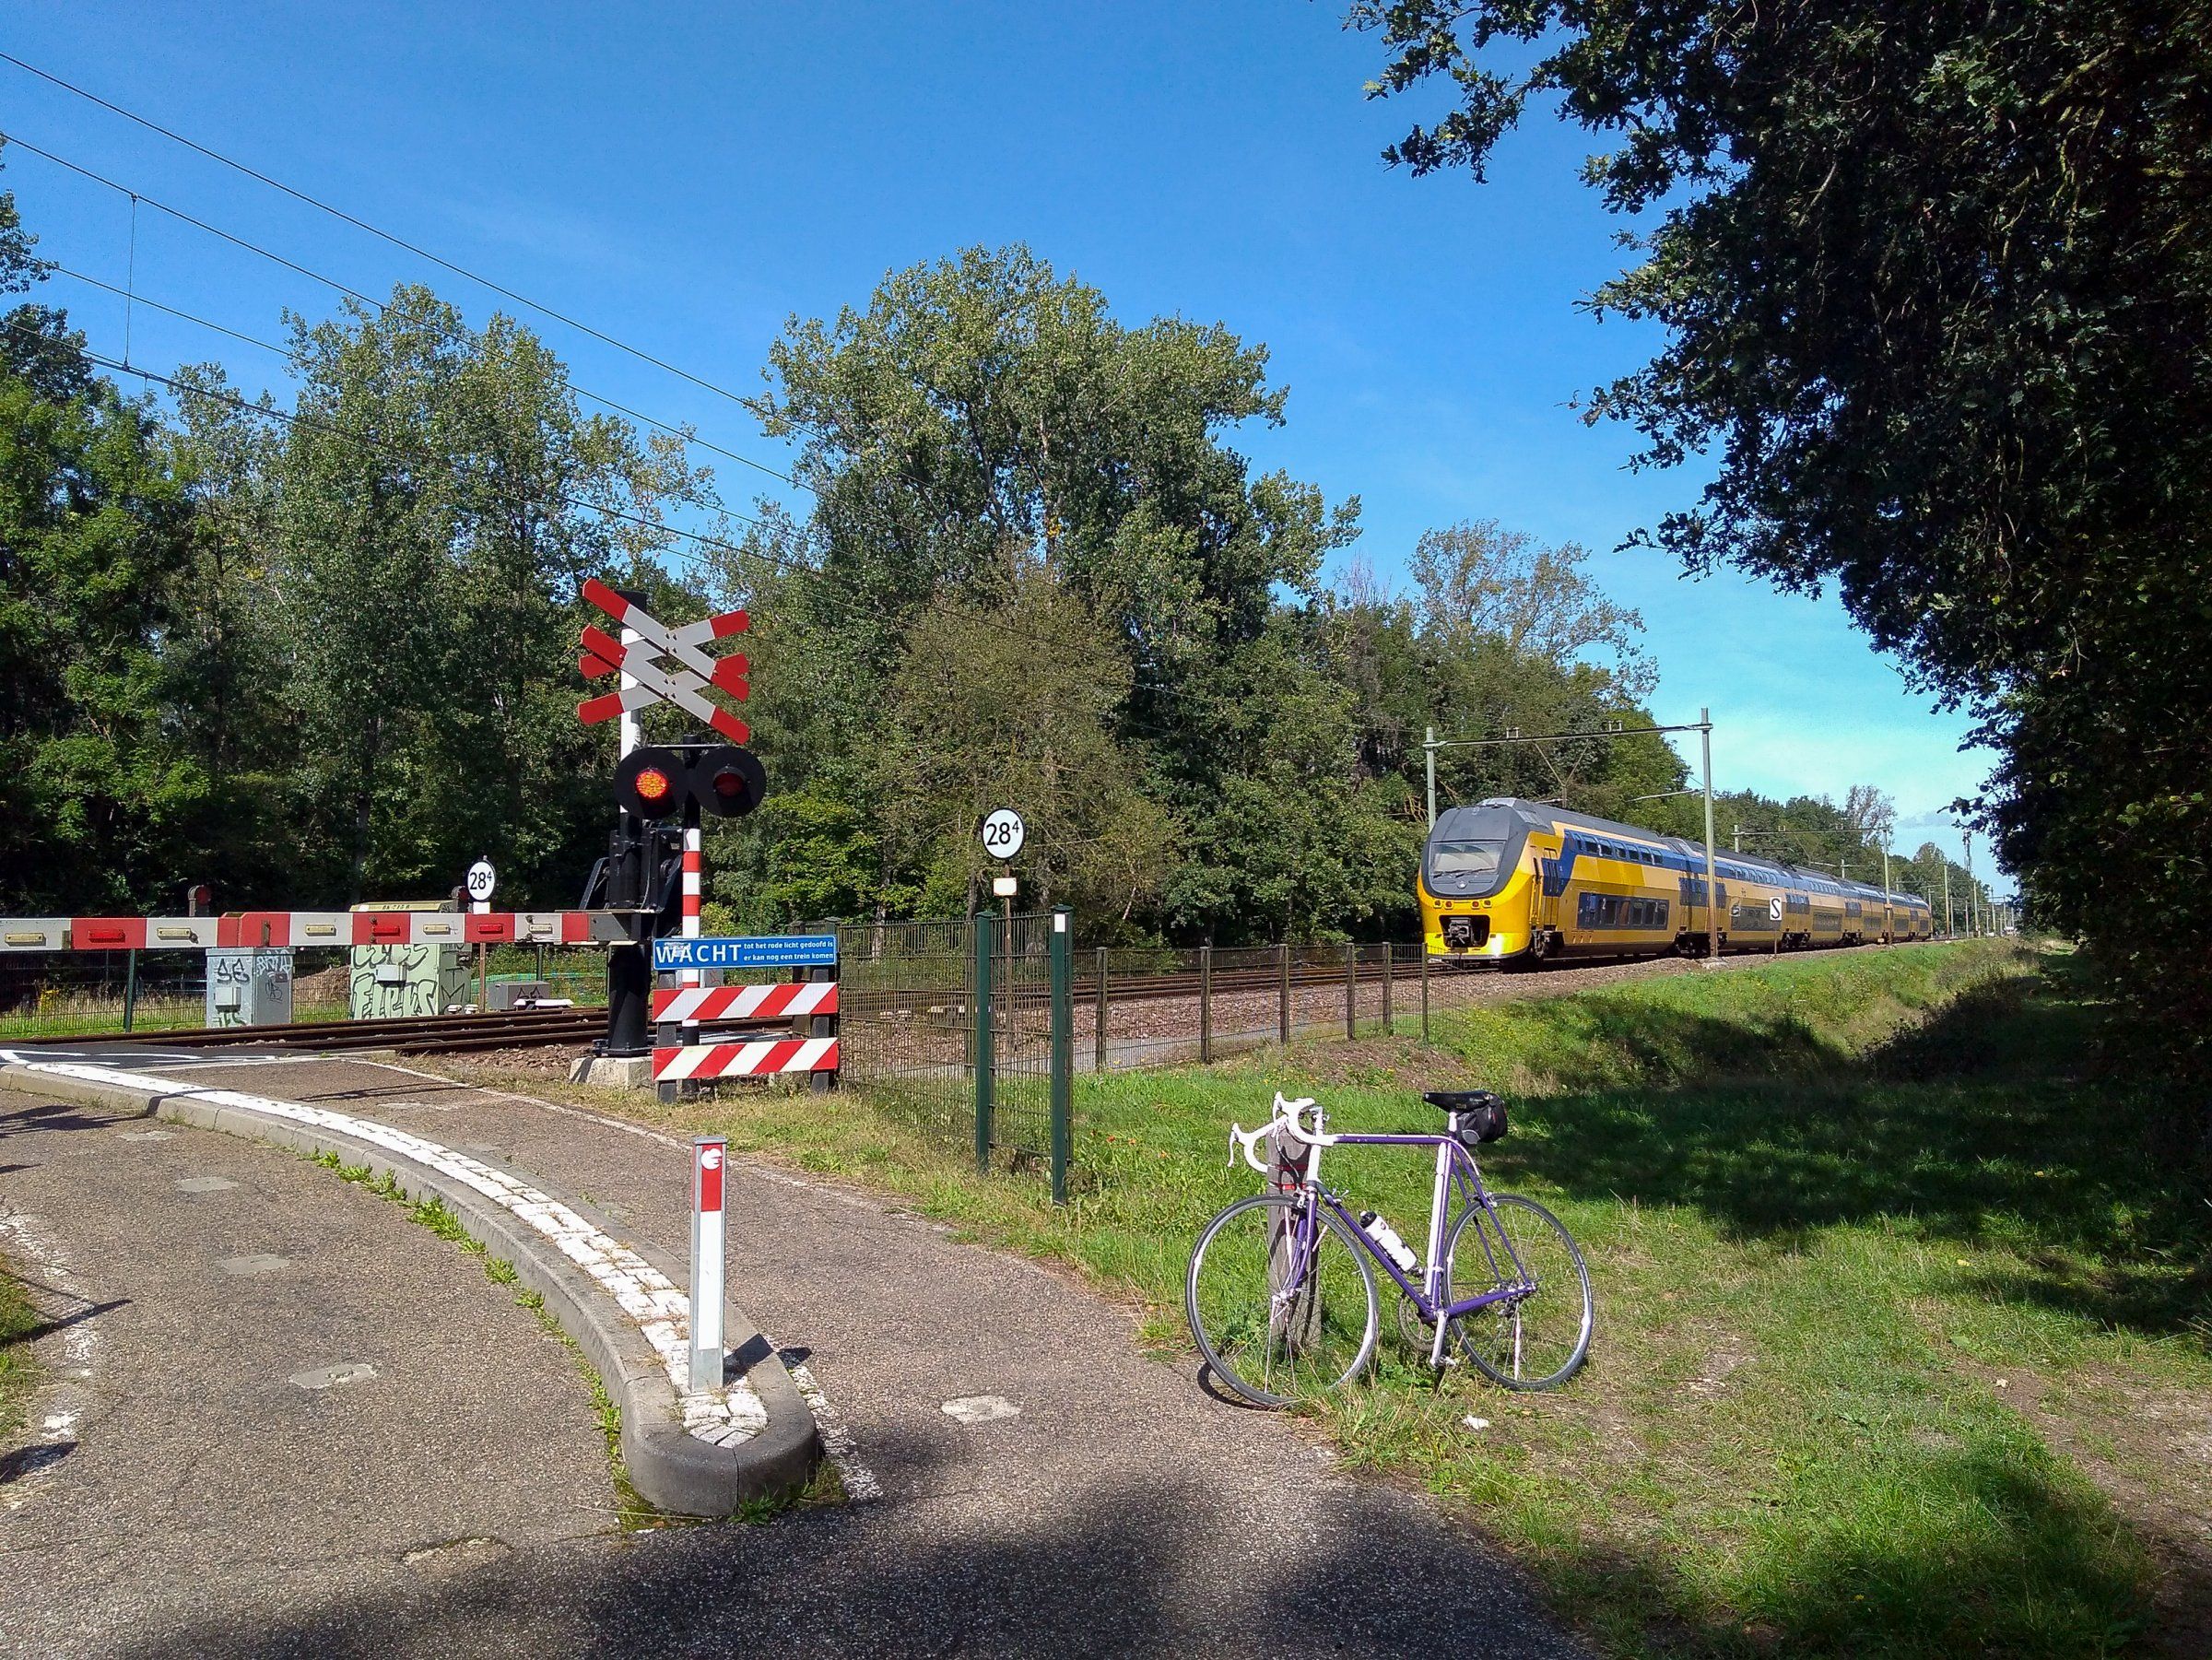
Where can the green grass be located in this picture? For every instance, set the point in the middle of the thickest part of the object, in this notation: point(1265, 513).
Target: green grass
point(1886, 1270)
point(19, 1369)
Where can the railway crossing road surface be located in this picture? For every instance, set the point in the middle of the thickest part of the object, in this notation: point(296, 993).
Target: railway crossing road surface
point(1043, 1486)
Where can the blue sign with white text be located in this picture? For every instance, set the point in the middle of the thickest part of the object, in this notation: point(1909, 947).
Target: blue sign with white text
point(769, 951)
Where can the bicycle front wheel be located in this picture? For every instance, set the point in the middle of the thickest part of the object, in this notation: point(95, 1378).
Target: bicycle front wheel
point(1538, 1337)
point(1280, 1300)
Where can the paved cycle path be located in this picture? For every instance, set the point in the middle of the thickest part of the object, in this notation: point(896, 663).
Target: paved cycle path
point(263, 1388)
point(1075, 1495)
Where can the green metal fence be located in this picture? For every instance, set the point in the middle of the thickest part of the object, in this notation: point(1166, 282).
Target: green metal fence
point(955, 1027)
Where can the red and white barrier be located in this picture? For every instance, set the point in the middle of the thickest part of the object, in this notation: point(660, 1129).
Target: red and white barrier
point(760, 1058)
point(247, 929)
point(694, 1005)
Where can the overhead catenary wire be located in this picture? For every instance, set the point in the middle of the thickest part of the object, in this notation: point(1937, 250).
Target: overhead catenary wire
point(248, 245)
point(379, 232)
point(852, 608)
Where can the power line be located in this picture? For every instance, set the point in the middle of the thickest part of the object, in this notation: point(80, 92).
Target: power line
point(396, 242)
point(854, 609)
point(378, 305)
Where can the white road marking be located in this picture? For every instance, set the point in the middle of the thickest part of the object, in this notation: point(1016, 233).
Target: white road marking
point(27, 1240)
point(202, 1183)
point(147, 1136)
point(325, 1377)
point(858, 1480)
point(980, 1409)
point(260, 1261)
point(661, 1312)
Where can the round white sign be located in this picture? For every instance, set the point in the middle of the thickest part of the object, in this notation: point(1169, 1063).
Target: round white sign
point(1774, 909)
point(1004, 833)
point(482, 878)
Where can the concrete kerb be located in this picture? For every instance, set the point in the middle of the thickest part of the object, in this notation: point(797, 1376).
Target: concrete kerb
point(671, 1468)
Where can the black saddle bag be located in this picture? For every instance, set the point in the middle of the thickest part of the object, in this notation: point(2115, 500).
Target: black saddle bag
point(1484, 1121)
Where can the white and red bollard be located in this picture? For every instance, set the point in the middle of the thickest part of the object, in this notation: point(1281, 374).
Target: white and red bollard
point(710, 1154)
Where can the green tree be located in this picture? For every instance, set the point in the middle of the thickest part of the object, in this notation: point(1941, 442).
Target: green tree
point(1937, 288)
point(436, 504)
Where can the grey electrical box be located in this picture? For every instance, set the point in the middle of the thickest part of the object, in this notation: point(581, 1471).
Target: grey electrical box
point(250, 987)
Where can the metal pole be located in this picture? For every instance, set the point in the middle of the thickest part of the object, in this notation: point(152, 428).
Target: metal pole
point(1424, 991)
point(1351, 991)
point(1889, 906)
point(1712, 892)
point(1206, 1005)
point(1737, 840)
point(1948, 930)
point(1389, 1027)
point(1282, 996)
point(130, 989)
point(979, 1015)
point(1063, 1046)
point(710, 1157)
point(1428, 750)
point(1098, 1033)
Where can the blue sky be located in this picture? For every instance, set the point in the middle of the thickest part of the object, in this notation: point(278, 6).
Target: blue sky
point(687, 177)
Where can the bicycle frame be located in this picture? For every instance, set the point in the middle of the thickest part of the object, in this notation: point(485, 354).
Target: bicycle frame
point(1455, 1172)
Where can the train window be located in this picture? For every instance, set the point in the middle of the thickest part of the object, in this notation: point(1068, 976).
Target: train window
point(1465, 858)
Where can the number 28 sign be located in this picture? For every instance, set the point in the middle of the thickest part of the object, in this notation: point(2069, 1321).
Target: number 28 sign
point(1004, 833)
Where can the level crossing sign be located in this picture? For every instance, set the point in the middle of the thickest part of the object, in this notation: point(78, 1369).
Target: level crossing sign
point(682, 679)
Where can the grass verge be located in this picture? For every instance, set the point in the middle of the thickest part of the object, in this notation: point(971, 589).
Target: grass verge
point(1904, 1309)
point(19, 1369)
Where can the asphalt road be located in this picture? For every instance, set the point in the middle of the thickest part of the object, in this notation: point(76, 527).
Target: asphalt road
point(1079, 1497)
point(294, 1392)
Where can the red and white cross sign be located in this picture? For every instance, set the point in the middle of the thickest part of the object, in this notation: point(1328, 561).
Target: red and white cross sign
point(683, 679)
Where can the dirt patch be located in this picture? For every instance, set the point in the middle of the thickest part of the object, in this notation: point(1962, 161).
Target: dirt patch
point(2149, 1451)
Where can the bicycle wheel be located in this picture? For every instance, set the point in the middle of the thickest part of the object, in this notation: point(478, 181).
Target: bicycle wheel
point(1537, 1339)
point(1278, 1321)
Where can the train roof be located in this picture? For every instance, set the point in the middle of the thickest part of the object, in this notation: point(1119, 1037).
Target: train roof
point(1536, 815)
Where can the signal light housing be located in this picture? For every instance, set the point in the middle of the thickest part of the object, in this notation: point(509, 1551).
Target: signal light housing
point(651, 782)
point(728, 781)
point(655, 783)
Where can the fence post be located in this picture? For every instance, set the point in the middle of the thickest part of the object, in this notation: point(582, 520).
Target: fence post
point(985, 926)
point(1390, 1027)
point(1282, 1000)
point(1424, 950)
point(130, 989)
point(1351, 992)
point(1206, 1005)
point(1063, 1045)
point(825, 1026)
point(1098, 1034)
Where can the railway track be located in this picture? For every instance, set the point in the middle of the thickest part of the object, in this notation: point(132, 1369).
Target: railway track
point(421, 1034)
point(464, 1034)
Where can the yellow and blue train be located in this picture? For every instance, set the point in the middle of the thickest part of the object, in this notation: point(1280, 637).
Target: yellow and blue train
point(1507, 880)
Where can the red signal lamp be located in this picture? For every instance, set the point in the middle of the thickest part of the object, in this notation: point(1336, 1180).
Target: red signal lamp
point(649, 783)
point(728, 781)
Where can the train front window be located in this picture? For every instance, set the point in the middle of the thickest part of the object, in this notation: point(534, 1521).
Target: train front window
point(1465, 858)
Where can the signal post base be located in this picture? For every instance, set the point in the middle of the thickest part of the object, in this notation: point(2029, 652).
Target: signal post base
point(613, 1071)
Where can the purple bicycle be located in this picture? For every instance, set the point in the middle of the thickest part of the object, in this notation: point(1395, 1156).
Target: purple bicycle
point(1281, 1291)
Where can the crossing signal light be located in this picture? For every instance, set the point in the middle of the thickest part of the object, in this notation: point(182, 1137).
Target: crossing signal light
point(654, 784)
point(650, 783)
point(728, 781)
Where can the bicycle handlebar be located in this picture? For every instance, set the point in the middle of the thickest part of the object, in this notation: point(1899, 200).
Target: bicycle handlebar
point(1286, 1119)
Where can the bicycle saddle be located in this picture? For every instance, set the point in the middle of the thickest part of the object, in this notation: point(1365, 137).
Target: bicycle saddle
point(1461, 1101)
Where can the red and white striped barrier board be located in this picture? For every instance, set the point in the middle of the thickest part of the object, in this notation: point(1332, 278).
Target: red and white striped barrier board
point(683, 681)
point(251, 928)
point(758, 1059)
point(696, 1004)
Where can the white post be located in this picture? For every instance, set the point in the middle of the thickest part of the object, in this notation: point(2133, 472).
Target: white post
point(709, 1155)
point(631, 726)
